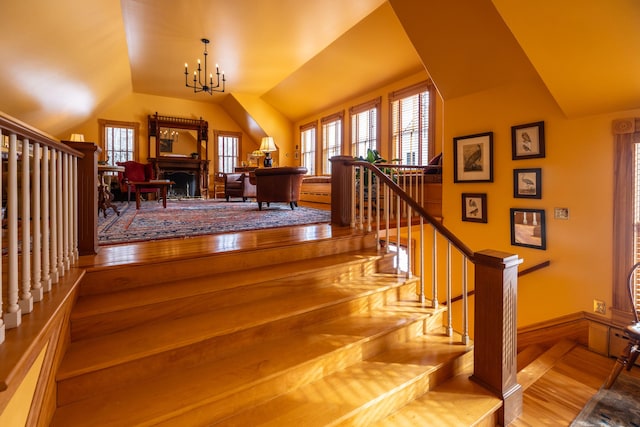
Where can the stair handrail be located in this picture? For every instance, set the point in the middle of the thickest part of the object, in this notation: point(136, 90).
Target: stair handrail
point(459, 244)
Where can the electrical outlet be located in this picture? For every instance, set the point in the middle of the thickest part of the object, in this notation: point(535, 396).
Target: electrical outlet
point(599, 307)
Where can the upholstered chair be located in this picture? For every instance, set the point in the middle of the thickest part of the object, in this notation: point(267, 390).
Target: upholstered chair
point(238, 185)
point(279, 185)
point(135, 171)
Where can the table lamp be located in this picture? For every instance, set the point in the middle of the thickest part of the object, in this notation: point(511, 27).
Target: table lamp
point(267, 146)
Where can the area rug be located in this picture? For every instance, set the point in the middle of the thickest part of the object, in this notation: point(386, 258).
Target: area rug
point(196, 217)
point(618, 406)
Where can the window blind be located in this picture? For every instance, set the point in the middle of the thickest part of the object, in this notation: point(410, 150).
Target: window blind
point(308, 147)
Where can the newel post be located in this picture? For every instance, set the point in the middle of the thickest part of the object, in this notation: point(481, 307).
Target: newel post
point(342, 179)
point(87, 196)
point(495, 339)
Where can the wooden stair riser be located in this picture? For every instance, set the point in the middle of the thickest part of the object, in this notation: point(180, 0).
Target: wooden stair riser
point(112, 320)
point(100, 280)
point(137, 368)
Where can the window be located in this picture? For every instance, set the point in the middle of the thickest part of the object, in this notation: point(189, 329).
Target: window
point(411, 118)
point(331, 139)
point(365, 127)
point(228, 149)
point(626, 216)
point(308, 147)
point(118, 141)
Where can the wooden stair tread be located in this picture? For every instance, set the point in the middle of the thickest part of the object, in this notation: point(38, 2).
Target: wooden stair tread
point(237, 373)
point(536, 369)
point(361, 391)
point(147, 339)
point(457, 402)
point(93, 304)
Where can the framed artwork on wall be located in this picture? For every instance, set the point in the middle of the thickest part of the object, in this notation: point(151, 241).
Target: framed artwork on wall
point(473, 158)
point(527, 141)
point(474, 207)
point(527, 183)
point(528, 228)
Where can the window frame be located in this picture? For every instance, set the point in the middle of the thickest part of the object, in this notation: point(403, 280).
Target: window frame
point(227, 134)
point(337, 148)
point(626, 137)
point(312, 155)
point(356, 111)
point(425, 86)
point(104, 123)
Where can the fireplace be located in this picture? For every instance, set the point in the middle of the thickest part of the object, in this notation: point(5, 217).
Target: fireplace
point(184, 187)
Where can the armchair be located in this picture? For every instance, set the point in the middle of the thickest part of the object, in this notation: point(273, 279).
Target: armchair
point(134, 171)
point(238, 185)
point(279, 185)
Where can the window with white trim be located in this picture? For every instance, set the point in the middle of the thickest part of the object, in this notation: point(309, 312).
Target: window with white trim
point(118, 141)
point(228, 150)
point(411, 124)
point(365, 127)
point(331, 139)
point(308, 147)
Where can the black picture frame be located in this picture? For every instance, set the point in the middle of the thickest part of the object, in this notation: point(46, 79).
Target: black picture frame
point(474, 207)
point(527, 183)
point(527, 141)
point(473, 158)
point(528, 228)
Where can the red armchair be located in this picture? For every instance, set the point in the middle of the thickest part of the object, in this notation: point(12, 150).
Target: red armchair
point(134, 171)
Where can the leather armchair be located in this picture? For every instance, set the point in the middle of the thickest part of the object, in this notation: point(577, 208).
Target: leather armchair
point(134, 171)
point(279, 185)
point(238, 185)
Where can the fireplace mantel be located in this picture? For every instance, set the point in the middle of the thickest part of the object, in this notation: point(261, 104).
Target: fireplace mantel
point(198, 167)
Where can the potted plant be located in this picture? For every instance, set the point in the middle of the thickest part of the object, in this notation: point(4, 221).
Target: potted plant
point(194, 155)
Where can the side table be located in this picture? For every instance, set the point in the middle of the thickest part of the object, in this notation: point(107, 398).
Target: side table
point(104, 194)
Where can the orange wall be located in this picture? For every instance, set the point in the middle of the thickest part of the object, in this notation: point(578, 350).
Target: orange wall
point(577, 173)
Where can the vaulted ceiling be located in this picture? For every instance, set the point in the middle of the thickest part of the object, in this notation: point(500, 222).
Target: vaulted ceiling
point(63, 61)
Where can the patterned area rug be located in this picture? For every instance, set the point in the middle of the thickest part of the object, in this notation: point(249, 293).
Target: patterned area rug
point(198, 217)
point(618, 406)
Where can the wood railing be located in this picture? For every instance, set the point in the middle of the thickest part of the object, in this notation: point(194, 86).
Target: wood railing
point(366, 198)
point(40, 217)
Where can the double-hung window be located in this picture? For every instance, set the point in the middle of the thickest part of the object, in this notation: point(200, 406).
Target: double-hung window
point(308, 146)
point(118, 140)
point(365, 127)
point(626, 215)
point(228, 149)
point(331, 139)
point(411, 124)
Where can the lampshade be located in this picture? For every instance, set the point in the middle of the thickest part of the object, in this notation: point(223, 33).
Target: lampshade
point(267, 144)
point(77, 137)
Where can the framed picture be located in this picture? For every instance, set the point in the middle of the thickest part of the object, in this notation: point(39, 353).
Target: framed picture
point(473, 158)
point(527, 141)
point(527, 183)
point(474, 207)
point(528, 228)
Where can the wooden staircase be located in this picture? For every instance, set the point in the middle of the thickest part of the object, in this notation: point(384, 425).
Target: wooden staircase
point(316, 333)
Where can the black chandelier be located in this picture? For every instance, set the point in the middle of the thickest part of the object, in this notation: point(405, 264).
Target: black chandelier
point(198, 85)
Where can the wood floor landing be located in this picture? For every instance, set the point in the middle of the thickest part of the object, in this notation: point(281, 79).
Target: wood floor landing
point(158, 250)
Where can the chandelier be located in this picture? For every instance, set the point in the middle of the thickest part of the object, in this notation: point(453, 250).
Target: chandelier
point(198, 85)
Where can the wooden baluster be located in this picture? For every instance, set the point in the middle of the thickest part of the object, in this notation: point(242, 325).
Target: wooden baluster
point(13, 316)
point(36, 223)
point(45, 215)
point(60, 215)
point(53, 217)
point(26, 299)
